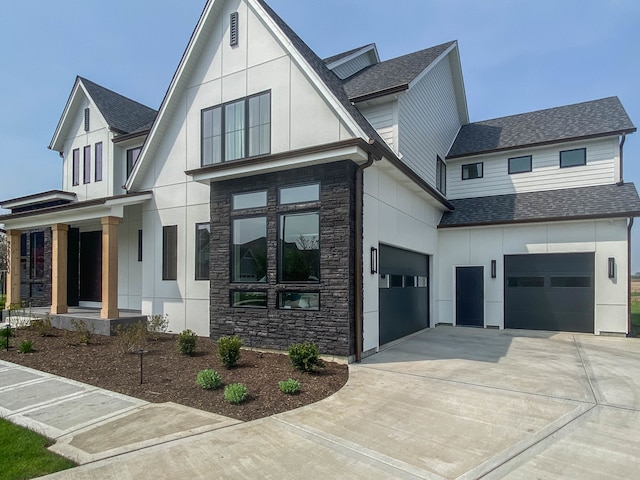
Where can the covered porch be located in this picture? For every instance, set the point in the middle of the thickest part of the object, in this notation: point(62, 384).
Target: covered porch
point(96, 272)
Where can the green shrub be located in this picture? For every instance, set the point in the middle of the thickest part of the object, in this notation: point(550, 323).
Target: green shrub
point(131, 338)
point(6, 332)
point(3, 302)
point(83, 331)
point(187, 341)
point(209, 379)
point(42, 326)
point(229, 350)
point(290, 386)
point(305, 356)
point(235, 393)
point(156, 325)
point(26, 346)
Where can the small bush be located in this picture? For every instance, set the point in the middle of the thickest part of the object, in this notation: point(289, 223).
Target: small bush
point(209, 379)
point(131, 338)
point(305, 356)
point(42, 326)
point(6, 332)
point(229, 350)
point(3, 302)
point(156, 325)
point(290, 386)
point(83, 332)
point(26, 346)
point(186, 342)
point(235, 393)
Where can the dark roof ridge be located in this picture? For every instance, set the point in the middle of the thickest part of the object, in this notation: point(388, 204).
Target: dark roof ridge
point(340, 56)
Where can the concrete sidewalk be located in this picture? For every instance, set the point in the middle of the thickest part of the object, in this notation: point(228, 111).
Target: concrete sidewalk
point(448, 403)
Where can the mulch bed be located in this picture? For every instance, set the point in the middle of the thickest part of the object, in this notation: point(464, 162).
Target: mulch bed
point(169, 376)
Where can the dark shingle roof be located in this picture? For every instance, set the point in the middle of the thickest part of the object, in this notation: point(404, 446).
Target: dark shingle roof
point(602, 201)
point(121, 113)
point(588, 119)
point(340, 56)
point(392, 74)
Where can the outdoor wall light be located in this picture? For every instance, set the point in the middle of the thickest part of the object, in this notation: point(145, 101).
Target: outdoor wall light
point(612, 267)
point(493, 269)
point(374, 260)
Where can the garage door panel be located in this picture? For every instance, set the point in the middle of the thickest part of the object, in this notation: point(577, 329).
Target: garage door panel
point(550, 292)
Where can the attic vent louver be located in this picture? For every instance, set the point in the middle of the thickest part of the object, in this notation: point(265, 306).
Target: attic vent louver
point(86, 119)
point(233, 30)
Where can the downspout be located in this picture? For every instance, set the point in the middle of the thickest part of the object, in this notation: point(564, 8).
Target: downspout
point(621, 182)
point(629, 227)
point(359, 271)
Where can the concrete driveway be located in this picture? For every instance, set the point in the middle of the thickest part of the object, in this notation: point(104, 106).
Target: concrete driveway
point(447, 403)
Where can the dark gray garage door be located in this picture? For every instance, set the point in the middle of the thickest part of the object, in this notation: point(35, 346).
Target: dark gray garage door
point(404, 293)
point(550, 292)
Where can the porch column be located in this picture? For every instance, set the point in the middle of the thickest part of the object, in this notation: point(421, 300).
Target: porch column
point(13, 267)
point(109, 267)
point(59, 268)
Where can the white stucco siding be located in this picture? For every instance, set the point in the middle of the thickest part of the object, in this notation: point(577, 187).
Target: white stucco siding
point(478, 246)
point(384, 118)
point(428, 120)
point(78, 138)
point(601, 169)
point(397, 216)
point(129, 268)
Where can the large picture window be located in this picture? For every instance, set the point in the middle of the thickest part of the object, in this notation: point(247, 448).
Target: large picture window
point(170, 252)
point(249, 250)
point(299, 247)
point(236, 130)
point(203, 240)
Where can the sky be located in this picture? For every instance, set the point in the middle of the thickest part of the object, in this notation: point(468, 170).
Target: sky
point(517, 56)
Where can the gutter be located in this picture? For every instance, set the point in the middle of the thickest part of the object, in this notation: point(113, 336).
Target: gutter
point(624, 137)
point(629, 324)
point(359, 271)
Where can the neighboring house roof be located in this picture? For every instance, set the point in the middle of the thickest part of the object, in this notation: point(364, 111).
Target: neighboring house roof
point(340, 56)
point(392, 75)
point(602, 201)
point(120, 112)
point(581, 120)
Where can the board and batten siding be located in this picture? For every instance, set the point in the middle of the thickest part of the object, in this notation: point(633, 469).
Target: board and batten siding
point(384, 118)
point(352, 66)
point(546, 174)
point(428, 120)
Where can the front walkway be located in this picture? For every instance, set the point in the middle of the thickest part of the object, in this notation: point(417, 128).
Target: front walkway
point(448, 403)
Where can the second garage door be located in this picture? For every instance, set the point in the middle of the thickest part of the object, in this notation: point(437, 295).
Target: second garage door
point(550, 292)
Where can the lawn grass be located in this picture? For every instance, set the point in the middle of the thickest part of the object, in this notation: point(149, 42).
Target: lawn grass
point(24, 454)
point(635, 319)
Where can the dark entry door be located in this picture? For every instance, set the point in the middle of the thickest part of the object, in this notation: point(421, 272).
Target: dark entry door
point(91, 266)
point(470, 296)
point(73, 266)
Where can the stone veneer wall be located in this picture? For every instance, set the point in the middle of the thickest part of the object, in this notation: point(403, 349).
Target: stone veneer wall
point(332, 326)
point(26, 283)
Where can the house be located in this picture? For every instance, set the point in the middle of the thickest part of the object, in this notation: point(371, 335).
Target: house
point(347, 201)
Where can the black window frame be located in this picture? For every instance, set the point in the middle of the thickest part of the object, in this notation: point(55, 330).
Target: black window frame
point(139, 245)
point(169, 252)
point(36, 255)
point(198, 252)
point(75, 167)
point(515, 172)
point(246, 129)
point(130, 163)
point(280, 244)
point(97, 161)
point(300, 185)
point(470, 165)
point(234, 291)
point(86, 164)
point(232, 272)
point(255, 192)
point(441, 175)
point(279, 303)
point(584, 150)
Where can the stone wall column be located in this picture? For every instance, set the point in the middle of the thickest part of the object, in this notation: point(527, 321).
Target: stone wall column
point(13, 267)
point(109, 267)
point(59, 268)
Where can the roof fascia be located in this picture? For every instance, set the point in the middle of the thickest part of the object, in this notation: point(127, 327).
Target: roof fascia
point(348, 58)
point(542, 144)
point(600, 216)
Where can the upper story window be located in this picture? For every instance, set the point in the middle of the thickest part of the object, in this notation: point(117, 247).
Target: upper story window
point(87, 164)
point(132, 158)
point(573, 158)
point(98, 162)
point(235, 130)
point(520, 164)
point(472, 170)
point(441, 176)
point(75, 167)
